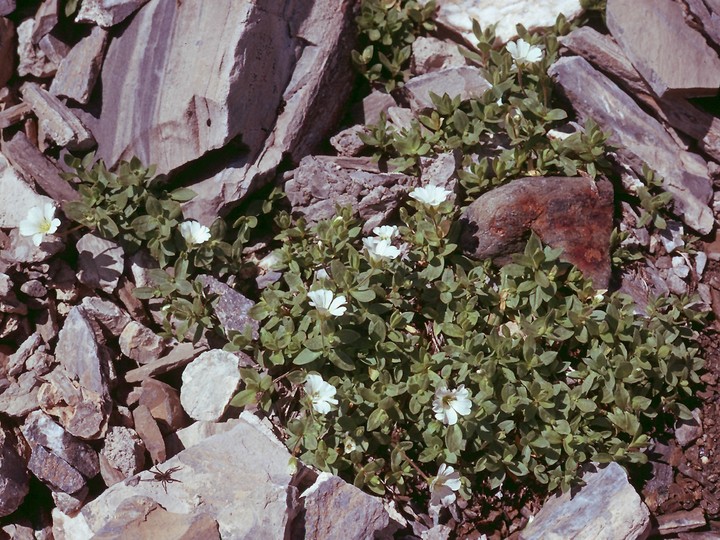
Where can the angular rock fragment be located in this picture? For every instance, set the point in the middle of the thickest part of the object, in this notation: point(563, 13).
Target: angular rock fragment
point(623, 515)
point(6, 7)
point(374, 104)
point(23, 250)
point(321, 183)
point(348, 141)
point(251, 499)
point(80, 69)
point(123, 451)
point(575, 214)
point(432, 54)
point(148, 430)
point(34, 166)
point(181, 355)
point(673, 57)
point(14, 481)
point(46, 18)
point(163, 402)
point(55, 49)
point(21, 396)
point(677, 522)
point(106, 313)
point(7, 49)
point(100, 262)
point(336, 509)
point(32, 60)
point(56, 122)
point(9, 302)
point(639, 138)
point(106, 13)
point(16, 362)
point(465, 81)
point(459, 14)
point(13, 114)
point(232, 308)
point(209, 383)
point(87, 364)
point(140, 343)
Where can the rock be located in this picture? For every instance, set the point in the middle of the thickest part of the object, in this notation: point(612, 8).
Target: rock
point(639, 138)
point(440, 170)
point(124, 452)
point(163, 402)
point(458, 15)
point(58, 458)
point(21, 397)
point(14, 480)
point(465, 81)
point(6, 8)
point(32, 60)
point(688, 431)
point(100, 262)
point(16, 362)
point(9, 302)
point(373, 105)
point(348, 141)
point(148, 430)
point(336, 509)
point(140, 343)
point(320, 183)
point(80, 69)
point(605, 507)
point(56, 122)
point(55, 49)
point(199, 431)
point(674, 57)
point(209, 383)
point(432, 54)
point(571, 213)
point(657, 490)
point(70, 503)
point(710, 21)
point(232, 308)
point(87, 364)
point(144, 518)
point(181, 355)
point(106, 13)
point(677, 522)
point(7, 49)
point(34, 166)
point(33, 288)
point(13, 114)
point(18, 196)
point(251, 499)
point(23, 251)
point(46, 18)
point(313, 100)
point(107, 314)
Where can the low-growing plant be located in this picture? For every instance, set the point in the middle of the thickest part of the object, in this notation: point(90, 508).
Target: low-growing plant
point(386, 31)
point(394, 354)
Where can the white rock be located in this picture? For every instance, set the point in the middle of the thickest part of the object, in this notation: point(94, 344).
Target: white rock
point(458, 15)
point(107, 13)
point(17, 196)
point(209, 383)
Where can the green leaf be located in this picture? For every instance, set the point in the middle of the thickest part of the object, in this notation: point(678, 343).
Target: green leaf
point(363, 295)
point(306, 356)
point(454, 439)
point(182, 194)
point(244, 398)
point(377, 419)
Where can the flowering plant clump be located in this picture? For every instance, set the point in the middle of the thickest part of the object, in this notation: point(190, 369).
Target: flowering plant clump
point(194, 233)
point(431, 361)
point(40, 221)
point(524, 53)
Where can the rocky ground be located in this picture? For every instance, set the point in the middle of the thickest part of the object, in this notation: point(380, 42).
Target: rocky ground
point(229, 100)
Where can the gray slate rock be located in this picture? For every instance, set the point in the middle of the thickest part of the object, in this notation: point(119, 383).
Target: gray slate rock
point(320, 183)
point(607, 507)
point(14, 480)
point(106, 13)
point(140, 343)
point(251, 499)
point(123, 451)
point(464, 81)
point(100, 262)
point(32, 60)
point(674, 57)
point(640, 138)
point(7, 48)
point(80, 69)
point(232, 308)
point(209, 383)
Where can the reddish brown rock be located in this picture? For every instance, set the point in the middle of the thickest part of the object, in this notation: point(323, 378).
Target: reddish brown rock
point(574, 214)
point(14, 481)
point(149, 432)
point(668, 53)
point(79, 70)
point(7, 50)
point(163, 402)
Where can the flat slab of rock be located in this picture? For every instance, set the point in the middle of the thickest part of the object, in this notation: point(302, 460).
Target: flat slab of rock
point(232, 308)
point(251, 499)
point(181, 355)
point(575, 214)
point(319, 184)
point(80, 69)
point(458, 15)
point(106, 13)
point(640, 138)
point(100, 262)
point(140, 343)
point(209, 383)
point(464, 81)
point(14, 480)
point(606, 507)
point(673, 57)
point(7, 49)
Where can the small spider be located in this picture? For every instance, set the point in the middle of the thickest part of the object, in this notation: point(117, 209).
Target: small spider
point(164, 477)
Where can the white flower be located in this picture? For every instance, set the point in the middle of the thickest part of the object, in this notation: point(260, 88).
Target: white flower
point(326, 302)
point(431, 195)
point(444, 485)
point(321, 273)
point(39, 222)
point(320, 393)
point(386, 232)
point(524, 53)
point(194, 233)
point(380, 249)
point(449, 403)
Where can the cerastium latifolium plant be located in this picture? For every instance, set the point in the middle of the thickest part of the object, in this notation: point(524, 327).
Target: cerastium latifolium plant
point(386, 32)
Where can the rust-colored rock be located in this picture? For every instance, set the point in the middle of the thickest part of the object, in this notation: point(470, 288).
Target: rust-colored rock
point(574, 214)
point(163, 401)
